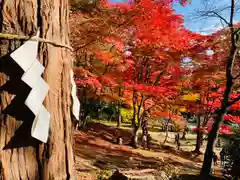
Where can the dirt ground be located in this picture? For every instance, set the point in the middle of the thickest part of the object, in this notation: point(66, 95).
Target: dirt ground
point(96, 152)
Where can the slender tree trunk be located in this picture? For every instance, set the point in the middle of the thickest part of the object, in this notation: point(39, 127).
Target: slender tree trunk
point(206, 168)
point(134, 109)
point(135, 131)
point(98, 114)
point(199, 134)
point(136, 126)
point(83, 108)
point(135, 137)
point(208, 156)
point(166, 135)
point(144, 132)
point(119, 116)
point(31, 160)
point(134, 141)
point(119, 119)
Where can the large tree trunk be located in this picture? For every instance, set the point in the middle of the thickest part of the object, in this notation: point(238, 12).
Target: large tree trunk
point(26, 158)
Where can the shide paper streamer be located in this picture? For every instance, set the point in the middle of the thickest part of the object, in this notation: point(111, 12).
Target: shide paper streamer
point(76, 103)
point(26, 57)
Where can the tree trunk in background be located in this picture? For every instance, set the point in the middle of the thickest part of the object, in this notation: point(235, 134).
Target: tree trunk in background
point(134, 142)
point(144, 132)
point(208, 156)
point(83, 108)
point(166, 136)
point(206, 167)
point(199, 134)
point(119, 119)
point(53, 160)
point(135, 125)
point(119, 116)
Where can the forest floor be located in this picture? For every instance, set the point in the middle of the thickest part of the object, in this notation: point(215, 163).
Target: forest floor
point(97, 154)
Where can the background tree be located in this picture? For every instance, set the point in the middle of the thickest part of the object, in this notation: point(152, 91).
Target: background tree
point(227, 61)
point(26, 158)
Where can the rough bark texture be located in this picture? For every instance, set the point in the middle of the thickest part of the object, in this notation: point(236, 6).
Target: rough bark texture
point(53, 160)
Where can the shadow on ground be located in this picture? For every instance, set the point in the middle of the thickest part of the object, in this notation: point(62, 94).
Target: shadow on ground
point(106, 155)
point(169, 149)
point(96, 144)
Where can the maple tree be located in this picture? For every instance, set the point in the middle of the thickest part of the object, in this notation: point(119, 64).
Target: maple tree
point(156, 45)
point(150, 67)
point(208, 79)
point(96, 53)
point(224, 44)
point(148, 72)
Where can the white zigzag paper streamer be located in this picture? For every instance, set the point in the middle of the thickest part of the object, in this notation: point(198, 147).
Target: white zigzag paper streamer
point(76, 103)
point(26, 57)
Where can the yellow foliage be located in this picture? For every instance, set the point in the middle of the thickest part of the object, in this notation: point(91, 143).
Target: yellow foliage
point(182, 109)
point(191, 97)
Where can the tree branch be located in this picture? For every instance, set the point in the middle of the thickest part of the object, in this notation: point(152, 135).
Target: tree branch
point(222, 18)
point(213, 13)
point(233, 101)
point(237, 76)
point(28, 38)
point(232, 13)
point(86, 44)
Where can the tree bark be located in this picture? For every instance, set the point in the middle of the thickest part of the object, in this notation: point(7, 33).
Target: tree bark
point(136, 126)
point(53, 160)
point(134, 142)
point(144, 132)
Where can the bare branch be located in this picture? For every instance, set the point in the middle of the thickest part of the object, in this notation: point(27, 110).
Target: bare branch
point(232, 13)
point(221, 17)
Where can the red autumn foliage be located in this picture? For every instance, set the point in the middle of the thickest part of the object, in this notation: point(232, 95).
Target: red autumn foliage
point(151, 65)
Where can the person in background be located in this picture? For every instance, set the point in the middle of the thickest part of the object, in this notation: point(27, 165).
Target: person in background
point(222, 159)
point(215, 158)
point(185, 131)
